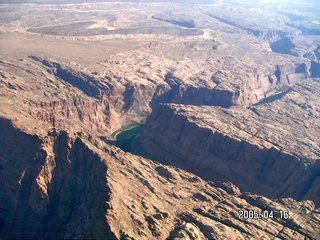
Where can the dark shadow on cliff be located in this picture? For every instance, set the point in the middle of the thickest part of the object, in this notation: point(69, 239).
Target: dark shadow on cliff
point(170, 139)
point(77, 189)
point(179, 93)
point(131, 145)
point(194, 96)
point(21, 160)
point(79, 192)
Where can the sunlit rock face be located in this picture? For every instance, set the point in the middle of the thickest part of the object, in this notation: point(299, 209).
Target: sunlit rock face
point(159, 120)
point(67, 186)
point(261, 149)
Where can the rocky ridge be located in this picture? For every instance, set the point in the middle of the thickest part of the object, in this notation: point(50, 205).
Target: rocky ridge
point(112, 98)
point(261, 149)
point(32, 96)
point(69, 186)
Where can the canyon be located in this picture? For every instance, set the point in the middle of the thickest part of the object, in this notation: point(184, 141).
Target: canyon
point(216, 104)
point(263, 149)
point(68, 186)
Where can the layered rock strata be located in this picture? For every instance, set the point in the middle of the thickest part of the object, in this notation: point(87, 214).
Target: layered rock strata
point(271, 148)
point(302, 46)
point(73, 186)
point(68, 94)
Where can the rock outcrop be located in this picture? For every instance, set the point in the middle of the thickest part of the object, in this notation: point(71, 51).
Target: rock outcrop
point(72, 186)
point(315, 69)
point(114, 101)
point(227, 103)
point(258, 29)
point(49, 187)
point(225, 93)
point(183, 21)
point(262, 149)
point(284, 45)
point(302, 46)
point(122, 99)
point(49, 101)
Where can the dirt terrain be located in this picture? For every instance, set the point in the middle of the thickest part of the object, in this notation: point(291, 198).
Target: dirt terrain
point(228, 92)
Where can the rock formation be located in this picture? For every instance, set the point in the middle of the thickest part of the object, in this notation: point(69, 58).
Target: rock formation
point(261, 149)
point(67, 186)
point(229, 96)
point(183, 21)
point(301, 46)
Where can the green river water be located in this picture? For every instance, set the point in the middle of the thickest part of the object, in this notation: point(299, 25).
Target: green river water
point(124, 136)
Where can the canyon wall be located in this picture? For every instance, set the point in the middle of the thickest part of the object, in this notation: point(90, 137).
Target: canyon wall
point(263, 32)
point(174, 137)
point(118, 100)
point(67, 187)
point(112, 100)
point(49, 187)
point(228, 92)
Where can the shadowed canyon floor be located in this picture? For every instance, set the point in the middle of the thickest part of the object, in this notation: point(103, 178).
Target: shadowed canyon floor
point(218, 103)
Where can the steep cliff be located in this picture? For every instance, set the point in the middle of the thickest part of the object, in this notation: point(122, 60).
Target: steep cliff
point(284, 45)
point(73, 74)
point(122, 100)
point(49, 187)
point(263, 83)
point(263, 149)
point(259, 29)
point(180, 20)
point(315, 69)
point(70, 186)
point(302, 46)
point(33, 95)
